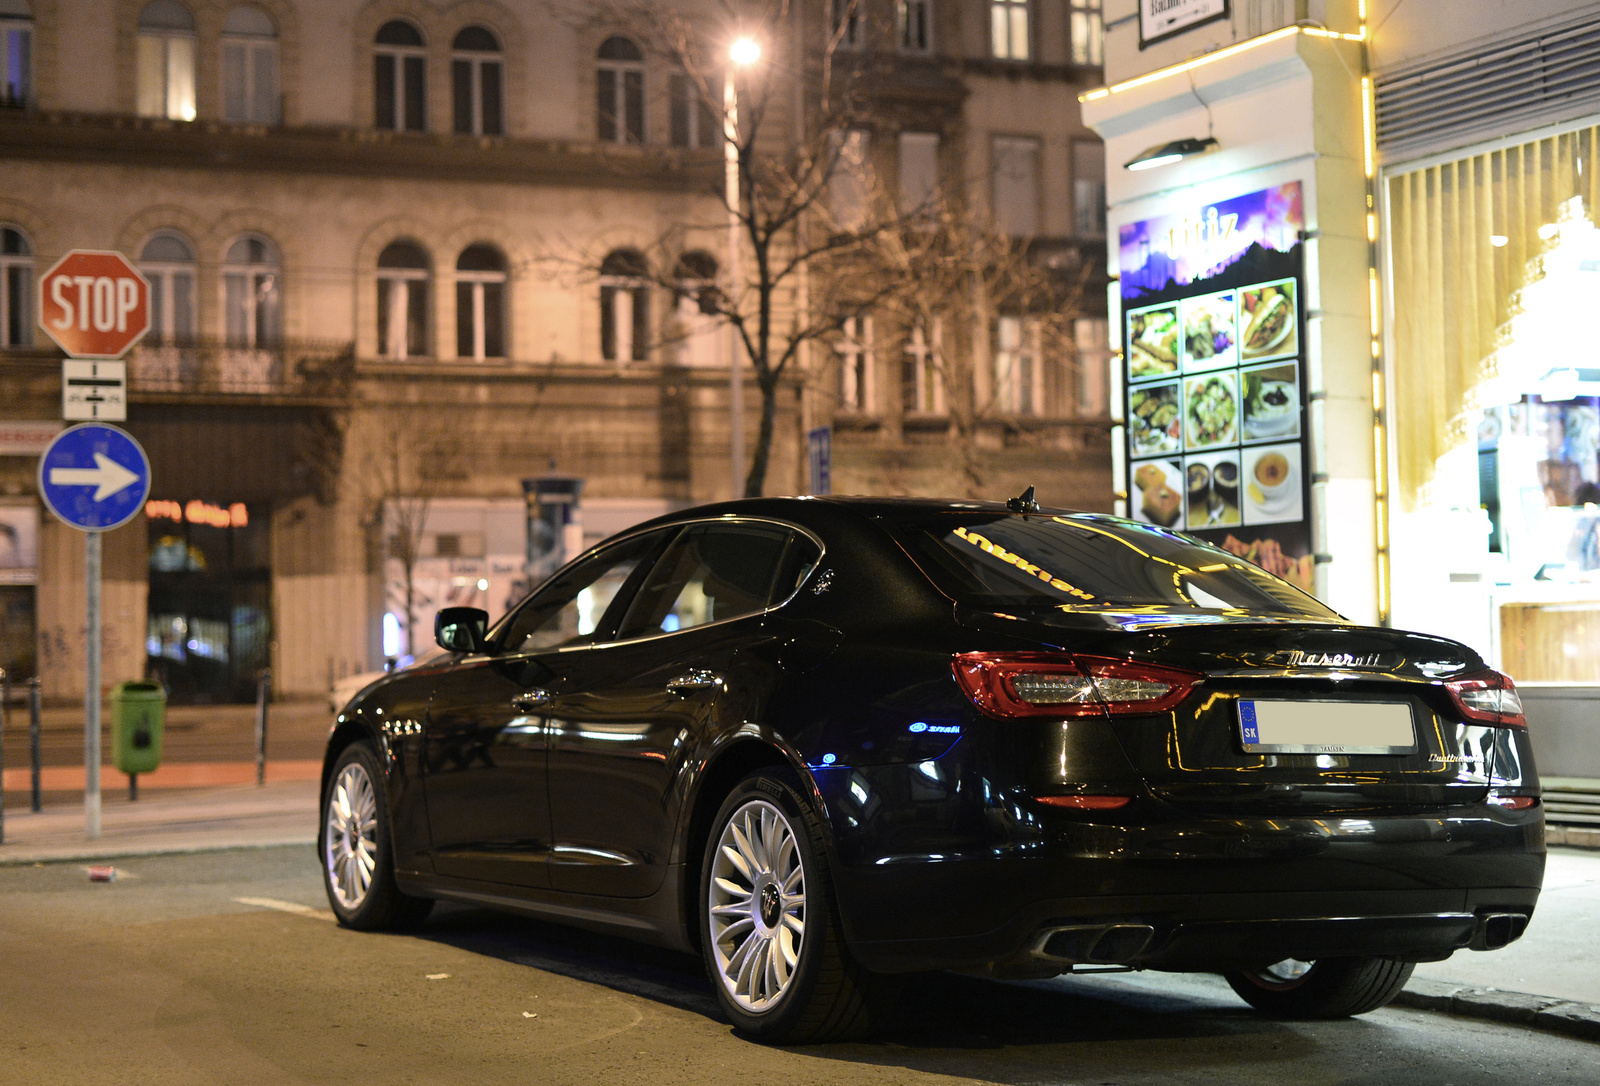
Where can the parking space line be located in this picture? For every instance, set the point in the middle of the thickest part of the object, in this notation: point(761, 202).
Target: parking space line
point(293, 907)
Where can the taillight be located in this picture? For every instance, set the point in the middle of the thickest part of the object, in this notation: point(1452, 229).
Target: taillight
point(1488, 697)
point(1041, 684)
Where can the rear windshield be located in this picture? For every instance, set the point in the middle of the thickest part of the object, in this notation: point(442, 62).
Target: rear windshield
point(1091, 563)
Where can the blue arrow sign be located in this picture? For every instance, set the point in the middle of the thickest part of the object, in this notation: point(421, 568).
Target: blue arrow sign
point(94, 477)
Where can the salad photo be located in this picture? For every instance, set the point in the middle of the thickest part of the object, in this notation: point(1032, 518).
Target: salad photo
point(1268, 314)
point(1153, 342)
point(1211, 411)
point(1210, 332)
point(1153, 419)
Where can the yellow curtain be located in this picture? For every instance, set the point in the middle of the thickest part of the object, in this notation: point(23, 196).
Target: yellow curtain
point(1454, 286)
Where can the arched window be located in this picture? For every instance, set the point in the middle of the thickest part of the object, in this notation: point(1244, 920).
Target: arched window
point(695, 303)
point(16, 54)
point(400, 84)
point(166, 61)
point(621, 84)
point(16, 288)
point(403, 301)
point(624, 307)
point(481, 303)
point(252, 293)
point(475, 76)
point(167, 260)
point(250, 67)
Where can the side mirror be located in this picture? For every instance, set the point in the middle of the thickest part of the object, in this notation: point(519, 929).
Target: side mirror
point(461, 629)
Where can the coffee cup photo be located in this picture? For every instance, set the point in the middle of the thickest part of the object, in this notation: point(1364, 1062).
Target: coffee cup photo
point(1273, 475)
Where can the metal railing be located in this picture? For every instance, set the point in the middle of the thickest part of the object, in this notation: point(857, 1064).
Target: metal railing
point(308, 369)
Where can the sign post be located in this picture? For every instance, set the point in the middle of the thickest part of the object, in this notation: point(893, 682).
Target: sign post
point(96, 306)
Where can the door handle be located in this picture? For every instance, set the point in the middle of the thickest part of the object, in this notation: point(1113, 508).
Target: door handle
point(531, 699)
point(690, 681)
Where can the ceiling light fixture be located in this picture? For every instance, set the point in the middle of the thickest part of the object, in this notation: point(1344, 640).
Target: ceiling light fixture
point(1164, 153)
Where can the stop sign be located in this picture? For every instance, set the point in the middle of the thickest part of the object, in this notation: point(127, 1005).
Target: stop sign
point(94, 304)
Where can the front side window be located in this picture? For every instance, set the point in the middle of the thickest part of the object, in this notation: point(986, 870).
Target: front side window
point(854, 350)
point(714, 572)
point(250, 67)
point(620, 109)
point(403, 301)
point(475, 74)
point(914, 22)
point(693, 122)
point(252, 291)
point(1088, 33)
point(16, 54)
point(571, 608)
point(166, 61)
point(1016, 367)
point(1008, 29)
point(481, 303)
point(1091, 562)
point(167, 260)
point(16, 288)
point(1015, 176)
point(624, 307)
point(400, 83)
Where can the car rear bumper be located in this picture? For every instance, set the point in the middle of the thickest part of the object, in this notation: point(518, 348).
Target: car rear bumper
point(1203, 895)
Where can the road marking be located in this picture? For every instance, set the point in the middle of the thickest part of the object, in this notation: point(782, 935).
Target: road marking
point(438, 976)
point(285, 907)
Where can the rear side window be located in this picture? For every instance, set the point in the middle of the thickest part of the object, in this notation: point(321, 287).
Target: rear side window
point(714, 572)
point(1091, 563)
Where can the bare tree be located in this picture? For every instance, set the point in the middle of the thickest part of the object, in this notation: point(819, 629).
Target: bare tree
point(802, 189)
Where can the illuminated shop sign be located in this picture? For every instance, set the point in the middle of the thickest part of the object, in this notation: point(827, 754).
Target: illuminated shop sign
point(1214, 354)
point(198, 512)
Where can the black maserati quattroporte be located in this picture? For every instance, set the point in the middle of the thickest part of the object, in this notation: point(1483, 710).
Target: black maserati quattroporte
point(827, 741)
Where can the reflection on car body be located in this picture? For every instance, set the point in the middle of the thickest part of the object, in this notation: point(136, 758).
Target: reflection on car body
point(826, 742)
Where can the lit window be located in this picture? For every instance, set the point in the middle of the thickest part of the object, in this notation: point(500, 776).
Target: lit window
point(845, 28)
point(624, 307)
point(16, 54)
point(16, 288)
point(403, 301)
point(693, 122)
point(854, 348)
point(1091, 337)
point(1016, 367)
point(400, 84)
point(167, 260)
point(620, 108)
point(166, 61)
point(1088, 33)
point(250, 67)
point(914, 22)
point(1089, 188)
point(921, 387)
point(1015, 166)
point(475, 78)
point(252, 292)
point(1008, 29)
point(481, 303)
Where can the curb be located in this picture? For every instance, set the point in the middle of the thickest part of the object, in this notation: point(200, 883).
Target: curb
point(1580, 1020)
point(80, 853)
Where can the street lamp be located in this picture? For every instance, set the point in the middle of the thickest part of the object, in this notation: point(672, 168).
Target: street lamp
point(742, 53)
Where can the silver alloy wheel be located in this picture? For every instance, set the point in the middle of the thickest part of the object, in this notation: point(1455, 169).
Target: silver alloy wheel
point(349, 847)
point(757, 905)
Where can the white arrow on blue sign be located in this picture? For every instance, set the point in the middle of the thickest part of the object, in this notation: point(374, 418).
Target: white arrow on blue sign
point(94, 477)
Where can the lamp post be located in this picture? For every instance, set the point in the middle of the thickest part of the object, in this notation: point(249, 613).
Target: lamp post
point(741, 54)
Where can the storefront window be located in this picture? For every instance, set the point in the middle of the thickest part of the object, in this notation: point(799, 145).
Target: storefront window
point(1495, 259)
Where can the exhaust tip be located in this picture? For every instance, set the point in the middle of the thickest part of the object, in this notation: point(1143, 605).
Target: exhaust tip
point(1496, 930)
point(1102, 944)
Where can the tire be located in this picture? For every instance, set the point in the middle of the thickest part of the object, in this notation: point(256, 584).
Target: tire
point(769, 924)
point(355, 848)
point(1328, 988)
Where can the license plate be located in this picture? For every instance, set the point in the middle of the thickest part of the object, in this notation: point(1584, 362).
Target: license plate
point(1326, 727)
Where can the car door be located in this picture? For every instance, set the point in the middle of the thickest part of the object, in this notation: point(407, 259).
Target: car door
point(638, 706)
point(485, 740)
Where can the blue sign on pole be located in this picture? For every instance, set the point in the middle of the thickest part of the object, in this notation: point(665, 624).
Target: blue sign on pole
point(94, 477)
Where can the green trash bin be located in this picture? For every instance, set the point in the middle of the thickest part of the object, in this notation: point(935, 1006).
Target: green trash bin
point(138, 716)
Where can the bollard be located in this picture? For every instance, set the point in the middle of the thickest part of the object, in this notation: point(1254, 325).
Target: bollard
point(263, 691)
point(34, 706)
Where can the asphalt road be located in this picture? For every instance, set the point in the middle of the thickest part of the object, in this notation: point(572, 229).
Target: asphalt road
point(166, 976)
